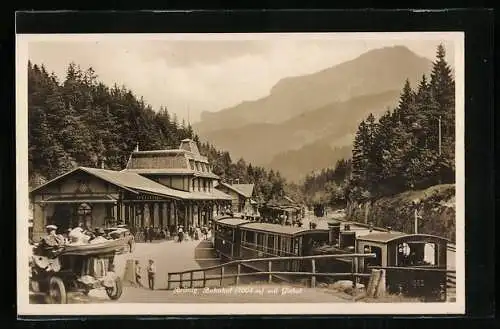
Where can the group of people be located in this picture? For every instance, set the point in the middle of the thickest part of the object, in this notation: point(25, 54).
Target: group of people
point(72, 236)
point(282, 220)
point(193, 233)
point(151, 272)
point(179, 233)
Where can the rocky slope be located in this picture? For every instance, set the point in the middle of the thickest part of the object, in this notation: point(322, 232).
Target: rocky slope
point(437, 211)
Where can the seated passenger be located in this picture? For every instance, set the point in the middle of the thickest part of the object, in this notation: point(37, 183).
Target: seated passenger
point(77, 236)
point(99, 236)
point(52, 240)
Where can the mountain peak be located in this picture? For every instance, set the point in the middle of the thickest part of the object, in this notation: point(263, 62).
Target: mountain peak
point(376, 71)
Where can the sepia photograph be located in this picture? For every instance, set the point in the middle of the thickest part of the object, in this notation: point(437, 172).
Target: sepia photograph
point(264, 173)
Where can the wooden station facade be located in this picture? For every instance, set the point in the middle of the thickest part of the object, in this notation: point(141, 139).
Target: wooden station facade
point(159, 188)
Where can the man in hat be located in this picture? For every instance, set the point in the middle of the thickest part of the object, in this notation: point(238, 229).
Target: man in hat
point(99, 236)
point(52, 240)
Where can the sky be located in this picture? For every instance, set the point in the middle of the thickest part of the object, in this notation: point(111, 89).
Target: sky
point(196, 73)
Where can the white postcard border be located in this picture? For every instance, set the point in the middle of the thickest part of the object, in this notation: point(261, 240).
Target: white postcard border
point(169, 309)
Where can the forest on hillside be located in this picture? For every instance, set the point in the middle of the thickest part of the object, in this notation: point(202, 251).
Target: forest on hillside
point(409, 147)
point(82, 122)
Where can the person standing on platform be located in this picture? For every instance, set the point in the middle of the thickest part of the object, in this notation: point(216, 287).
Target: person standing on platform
point(180, 234)
point(150, 234)
point(138, 275)
point(151, 274)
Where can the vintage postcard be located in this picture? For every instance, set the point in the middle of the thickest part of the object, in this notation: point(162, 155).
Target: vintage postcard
point(196, 174)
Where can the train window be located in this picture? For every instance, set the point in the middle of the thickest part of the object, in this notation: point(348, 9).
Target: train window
point(296, 245)
point(377, 261)
point(404, 249)
point(286, 245)
point(260, 240)
point(270, 244)
point(430, 251)
point(250, 237)
point(416, 254)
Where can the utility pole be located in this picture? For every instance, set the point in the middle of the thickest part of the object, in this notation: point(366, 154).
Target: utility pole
point(416, 220)
point(416, 216)
point(439, 119)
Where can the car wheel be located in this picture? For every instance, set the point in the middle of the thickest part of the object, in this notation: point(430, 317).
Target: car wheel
point(57, 291)
point(116, 291)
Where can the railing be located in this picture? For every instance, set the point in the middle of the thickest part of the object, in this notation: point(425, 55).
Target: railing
point(313, 274)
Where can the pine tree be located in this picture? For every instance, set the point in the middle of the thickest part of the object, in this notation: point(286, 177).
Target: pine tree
point(406, 101)
point(442, 87)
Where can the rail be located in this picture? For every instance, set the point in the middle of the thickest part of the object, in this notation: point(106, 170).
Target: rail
point(354, 274)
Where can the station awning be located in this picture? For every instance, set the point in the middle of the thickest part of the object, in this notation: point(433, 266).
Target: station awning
point(76, 199)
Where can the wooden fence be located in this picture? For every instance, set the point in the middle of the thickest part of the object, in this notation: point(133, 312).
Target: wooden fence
point(221, 269)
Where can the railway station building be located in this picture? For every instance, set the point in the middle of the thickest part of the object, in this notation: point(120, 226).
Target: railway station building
point(160, 188)
point(242, 198)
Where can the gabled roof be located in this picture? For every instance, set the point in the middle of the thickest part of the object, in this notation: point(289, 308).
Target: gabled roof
point(245, 190)
point(282, 202)
point(175, 171)
point(136, 183)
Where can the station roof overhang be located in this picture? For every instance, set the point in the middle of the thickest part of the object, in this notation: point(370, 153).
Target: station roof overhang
point(78, 199)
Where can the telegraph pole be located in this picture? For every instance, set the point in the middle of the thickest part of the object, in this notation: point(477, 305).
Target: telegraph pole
point(415, 214)
point(439, 119)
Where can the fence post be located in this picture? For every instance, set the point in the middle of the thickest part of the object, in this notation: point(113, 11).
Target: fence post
point(204, 280)
point(313, 277)
point(169, 276)
point(221, 275)
point(238, 274)
point(269, 269)
point(353, 276)
point(190, 279)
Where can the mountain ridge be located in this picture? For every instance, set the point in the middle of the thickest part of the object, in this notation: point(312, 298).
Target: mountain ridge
point(298, 94)
point(315, 115)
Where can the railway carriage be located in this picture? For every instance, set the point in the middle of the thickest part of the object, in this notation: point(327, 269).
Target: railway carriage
point(415, 264)
point(237, 238)
point(227, 237)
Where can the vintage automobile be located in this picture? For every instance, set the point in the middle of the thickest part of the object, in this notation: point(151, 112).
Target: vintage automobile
point(123, 233)
point(75, 268)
